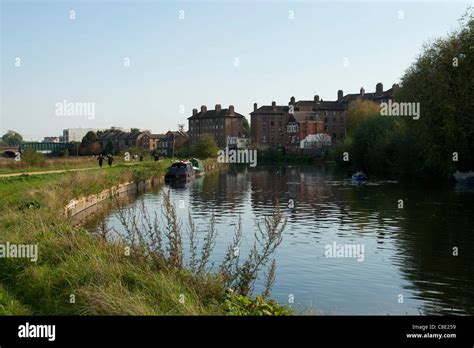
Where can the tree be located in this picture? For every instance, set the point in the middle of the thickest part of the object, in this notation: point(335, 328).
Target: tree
point(206, 147)
point(246, 127)
point(12, 138)
point(90, 144)
point(441, 80)
point(359, 111)
point(109, 148)
point(135, 130)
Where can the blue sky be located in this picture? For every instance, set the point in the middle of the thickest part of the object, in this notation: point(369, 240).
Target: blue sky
point(180, 64)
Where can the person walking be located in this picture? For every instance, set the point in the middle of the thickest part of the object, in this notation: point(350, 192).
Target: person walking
point(100, 159)
point(111, 159)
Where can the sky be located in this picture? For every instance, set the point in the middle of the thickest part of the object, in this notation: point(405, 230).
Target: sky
point(147, 64)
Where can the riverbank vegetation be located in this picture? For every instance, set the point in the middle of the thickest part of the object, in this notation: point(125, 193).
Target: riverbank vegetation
point(78, 273)
point(441, 141)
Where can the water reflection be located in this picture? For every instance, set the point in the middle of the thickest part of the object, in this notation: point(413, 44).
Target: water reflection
point(408, 266)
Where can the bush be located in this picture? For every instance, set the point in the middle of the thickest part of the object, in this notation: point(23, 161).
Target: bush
point(206, 147)
point(33, 158)
point(243, 305)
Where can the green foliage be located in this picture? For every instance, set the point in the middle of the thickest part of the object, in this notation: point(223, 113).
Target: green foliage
point(109, 148)
point(246, 127)
point(12, 138)
point(441, 80)
point(33, 158)
point(243, 305)
point(90, 144)
point(359, 111)
point(136, 150)
point(206, 147)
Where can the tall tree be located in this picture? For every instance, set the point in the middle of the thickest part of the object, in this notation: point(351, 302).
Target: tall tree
point(12, 138)
point(206, 147)
point(441, 80)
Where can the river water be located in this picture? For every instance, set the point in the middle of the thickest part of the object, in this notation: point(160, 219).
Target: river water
point(415, 245)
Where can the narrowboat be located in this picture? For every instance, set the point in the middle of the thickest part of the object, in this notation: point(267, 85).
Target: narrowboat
point(197, 166)
point(180, 170)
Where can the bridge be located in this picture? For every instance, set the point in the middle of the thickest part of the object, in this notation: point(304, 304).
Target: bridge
point(8, 151)
point(45, 147)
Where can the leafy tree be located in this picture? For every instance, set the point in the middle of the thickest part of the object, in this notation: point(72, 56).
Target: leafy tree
point(359, 111)
point(246, 127)
point(109, 148)
point(90, 144)
point(134, 130)
point(206, 147)
point(441, 80)
point(12, 138)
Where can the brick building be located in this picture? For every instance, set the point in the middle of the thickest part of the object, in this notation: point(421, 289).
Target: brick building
point(276, 126)
point(219, 123)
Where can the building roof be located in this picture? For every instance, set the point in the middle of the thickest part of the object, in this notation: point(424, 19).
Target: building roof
point(119, 135)
point(268, 109)
point(215, 114)
point(157, 136)
point(368, 96)
point(320, 105)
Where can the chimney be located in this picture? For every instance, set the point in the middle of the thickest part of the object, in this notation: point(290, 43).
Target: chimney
point(292, 101)
point(362, 91)
point(273, 105)
point(316, 98)
point(379, 89)
point(218, 108)
point(203, 109)
point(340, 95)
point(195, 111)
point(231, 109)
point(255, 107)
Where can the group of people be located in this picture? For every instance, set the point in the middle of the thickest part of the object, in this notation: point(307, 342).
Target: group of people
point(101, 158)
point(110, 159)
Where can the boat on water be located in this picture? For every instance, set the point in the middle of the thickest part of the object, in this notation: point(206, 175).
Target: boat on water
point(197, 166)
point(180, 170)
point(466, 178)
point(359, 176)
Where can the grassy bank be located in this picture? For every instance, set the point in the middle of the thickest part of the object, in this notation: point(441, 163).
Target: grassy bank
point(81, 274)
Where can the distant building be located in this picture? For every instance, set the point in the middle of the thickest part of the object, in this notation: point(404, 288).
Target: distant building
point(284, 127)
point(122, 140)
point(219, 123)
point(156, 141)
point(75, 134)
point(268, 126)
point(174, 141)
point(51, 140)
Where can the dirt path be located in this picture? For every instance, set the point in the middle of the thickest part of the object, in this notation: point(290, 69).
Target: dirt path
point(55, 171)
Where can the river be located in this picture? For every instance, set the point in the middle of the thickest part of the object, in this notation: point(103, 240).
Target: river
point(414, 244)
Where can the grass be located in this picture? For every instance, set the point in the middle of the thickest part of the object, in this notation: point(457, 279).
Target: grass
point(82, 274)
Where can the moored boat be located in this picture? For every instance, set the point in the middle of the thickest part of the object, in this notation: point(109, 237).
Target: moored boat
point(198, 167)
point(180, 170)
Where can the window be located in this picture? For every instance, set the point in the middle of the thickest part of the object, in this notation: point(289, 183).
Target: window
point(272, 123)
point(325, 120)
